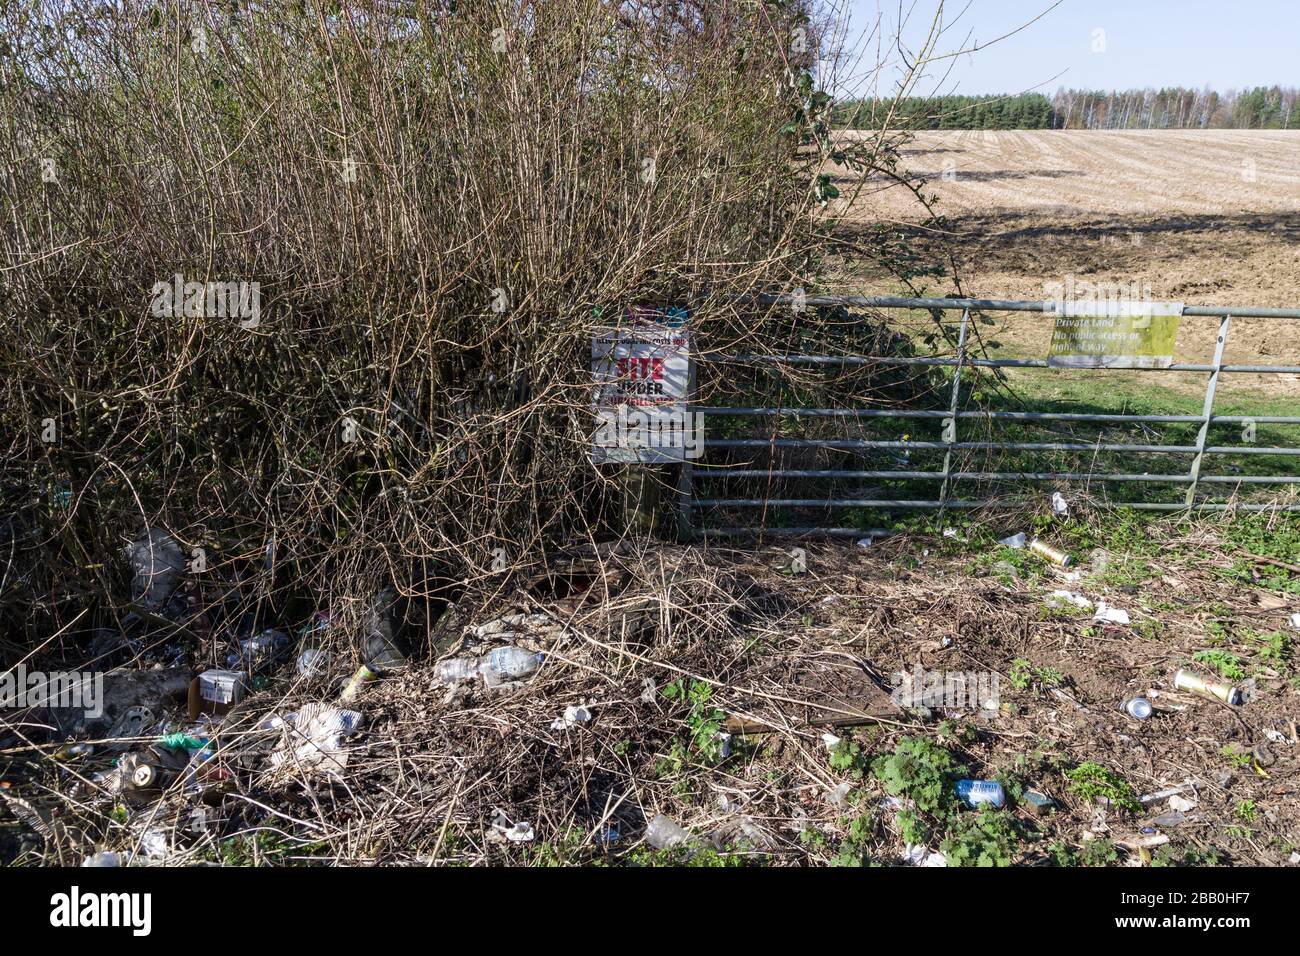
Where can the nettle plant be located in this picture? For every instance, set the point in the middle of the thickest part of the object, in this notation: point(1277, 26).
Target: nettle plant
point(704, 722)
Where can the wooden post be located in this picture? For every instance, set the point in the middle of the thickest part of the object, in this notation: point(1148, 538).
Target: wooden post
point(641, 498)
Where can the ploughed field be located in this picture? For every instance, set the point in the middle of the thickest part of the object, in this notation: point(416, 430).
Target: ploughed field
point(1209, 217)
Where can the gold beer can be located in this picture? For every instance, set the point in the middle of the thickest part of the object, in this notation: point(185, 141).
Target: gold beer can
point(1190, 681)
point(350, 690)
point(1049, 553)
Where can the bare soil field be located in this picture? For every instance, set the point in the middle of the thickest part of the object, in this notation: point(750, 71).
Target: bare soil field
point(1207, 217)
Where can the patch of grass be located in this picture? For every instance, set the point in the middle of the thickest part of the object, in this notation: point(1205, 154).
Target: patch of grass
point(1228, 665)
point(1216, 632)
point(1238, 758)
point(1270, 535)
point(921, 771)
point(269, 849)
point(1025, 673)
point(987, 838)
point(1244, 571)
point(1172, 855)
point(566, 849)
point(1274, 647)
point(1047, 390)
point(703, 722)
point(1127, 573)
point(1090, 780)
point(846, 757)
point(1149, 628)
point(693, 856)
point(956, 731)
point(1021, 560)
point(1100, 852)
point(853, 849)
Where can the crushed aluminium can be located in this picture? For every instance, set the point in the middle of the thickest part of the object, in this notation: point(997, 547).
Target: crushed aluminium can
point(1138, 708)
point(981, 793)
point(1191, 681)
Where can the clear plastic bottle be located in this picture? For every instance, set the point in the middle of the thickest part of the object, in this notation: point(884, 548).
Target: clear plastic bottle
point(256, 651)
point(662, 833)
point(510, 663)
point(157, 565)
point(501, 664)
point(458, 669)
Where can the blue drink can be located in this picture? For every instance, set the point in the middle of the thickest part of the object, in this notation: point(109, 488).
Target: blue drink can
point(981, 793)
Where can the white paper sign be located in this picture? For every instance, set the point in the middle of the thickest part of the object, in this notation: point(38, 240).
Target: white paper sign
point(640, 373)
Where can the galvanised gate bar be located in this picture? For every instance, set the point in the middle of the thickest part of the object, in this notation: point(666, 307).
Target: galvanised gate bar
point(948, 477)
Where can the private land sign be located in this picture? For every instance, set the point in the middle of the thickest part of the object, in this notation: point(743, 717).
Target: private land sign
point(1110, 334)
point(640, 373)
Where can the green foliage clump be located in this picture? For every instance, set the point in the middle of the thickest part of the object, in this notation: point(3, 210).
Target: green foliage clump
point(1090, 780)
point(1102, 852)
point(1173, 855)
point(987, 838)
point(1228, 665)
point(918, 770)
point(702, 720)
point(846, 757)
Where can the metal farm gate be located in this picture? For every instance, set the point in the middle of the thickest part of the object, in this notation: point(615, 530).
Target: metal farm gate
point(763, 469)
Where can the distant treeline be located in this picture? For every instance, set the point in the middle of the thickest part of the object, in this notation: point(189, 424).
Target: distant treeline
point(1272, 107)
point(1026, 111)
point(1264, 107)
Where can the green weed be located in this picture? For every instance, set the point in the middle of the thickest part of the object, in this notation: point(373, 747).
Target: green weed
point(1228, 665)
point(1090, 780)
point(987, 838)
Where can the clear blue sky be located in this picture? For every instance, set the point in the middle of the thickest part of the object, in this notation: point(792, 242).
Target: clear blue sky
point(1223, 44)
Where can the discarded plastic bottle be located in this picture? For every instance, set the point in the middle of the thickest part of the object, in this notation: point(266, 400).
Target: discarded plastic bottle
point(1049, 553)
point(980, 793)
point(105, 858)
point(663, 833)
point(157, 564)
point(503, 663)
point(1138, 708)
point(511, 663)
point(457, 669)
point(259, 650)
point(312, 660)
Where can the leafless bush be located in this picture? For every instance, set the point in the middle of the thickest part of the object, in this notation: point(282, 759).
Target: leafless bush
point(435, 204)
